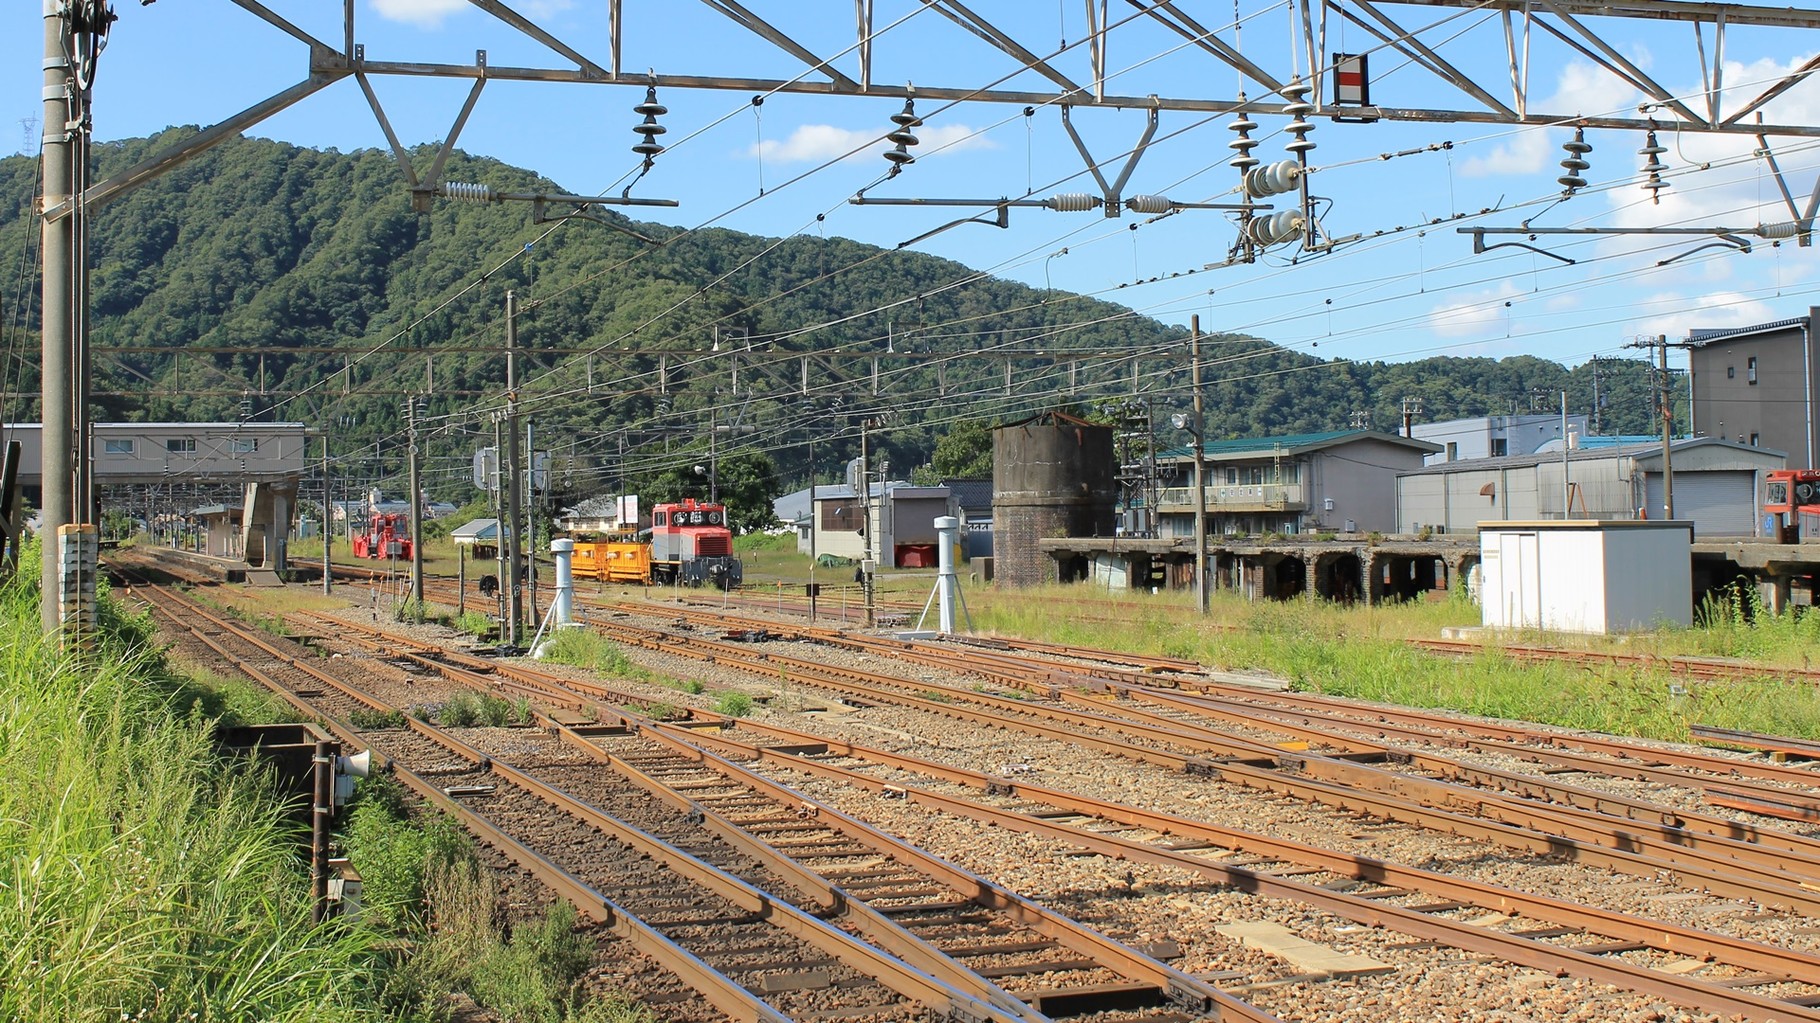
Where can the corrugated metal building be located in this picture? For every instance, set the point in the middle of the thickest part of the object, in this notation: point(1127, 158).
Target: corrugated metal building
point(1718, 486)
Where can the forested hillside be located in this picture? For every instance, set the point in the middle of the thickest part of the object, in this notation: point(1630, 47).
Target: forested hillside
point(303, 281)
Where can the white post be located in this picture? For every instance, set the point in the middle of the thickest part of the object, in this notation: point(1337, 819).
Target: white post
point(562, 608)
point(946, 527)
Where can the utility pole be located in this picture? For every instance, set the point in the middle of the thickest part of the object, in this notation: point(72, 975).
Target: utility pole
point(413, 408)
point(865, 513)
point(514, 483)
point(72, 34)
point(812, 522)
point(1412, 407)
point(529, 550)
point(1200, 471)
point(1668, 429)
point(1567, 488)
point(328, 532)
point(1665, 398)
point(499, 523)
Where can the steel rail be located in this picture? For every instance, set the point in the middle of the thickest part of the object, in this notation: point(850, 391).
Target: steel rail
point(1774, 743)
point(716, 988)
point(1178, 987)
point(1259, 766)
point(882, 967)
point(1694, 666)
point(1513, 739)
point(1255, 712)
point(1624, 930)
point(874, 925)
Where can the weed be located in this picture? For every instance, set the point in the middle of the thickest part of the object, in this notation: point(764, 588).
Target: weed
point(366, 718)
point(462, 710)
point(733, 703)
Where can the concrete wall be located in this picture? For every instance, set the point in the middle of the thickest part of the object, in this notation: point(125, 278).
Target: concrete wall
point(141, 452)
point(1777, 407)
point(1360, 479)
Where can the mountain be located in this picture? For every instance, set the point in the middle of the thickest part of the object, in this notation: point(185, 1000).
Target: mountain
point(302, 282)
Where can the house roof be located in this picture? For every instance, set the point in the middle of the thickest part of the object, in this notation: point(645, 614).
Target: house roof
point(1700, 337)
point(1642, 452)
point(971, 494)
point(475, 530)
point(1238, 448)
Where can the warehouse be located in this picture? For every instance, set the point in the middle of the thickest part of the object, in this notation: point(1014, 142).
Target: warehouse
point(1717, 486)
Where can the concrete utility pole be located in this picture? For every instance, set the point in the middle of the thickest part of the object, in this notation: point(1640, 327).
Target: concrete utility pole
point(1668, 429)
point(1200, 472)
point(328, 532)
point(72, 33)
point(1665, 395)
point(514, 484)
point(865, 513)
point(414, 476)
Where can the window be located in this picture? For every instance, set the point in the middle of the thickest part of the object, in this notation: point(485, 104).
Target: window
point(660, 518)
point(1753, 440)
point(1731, 372)
point(242, 445)
point(180, 445)
point(1499, 447)
point(1750, 370)
point(117, 447)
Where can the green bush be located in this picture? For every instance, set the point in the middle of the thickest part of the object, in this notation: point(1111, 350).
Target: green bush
point(462, 710)
point(733, 703)
point(394, 855)
point(366, 718)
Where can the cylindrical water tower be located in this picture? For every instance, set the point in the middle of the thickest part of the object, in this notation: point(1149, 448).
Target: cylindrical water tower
point(1052, 476)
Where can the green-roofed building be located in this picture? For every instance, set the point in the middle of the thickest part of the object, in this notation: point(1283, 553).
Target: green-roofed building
point(1343, 481)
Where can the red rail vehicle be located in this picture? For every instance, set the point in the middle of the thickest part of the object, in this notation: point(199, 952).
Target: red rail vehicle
point(1791, 505)
point(387, 535)
point(689, 542)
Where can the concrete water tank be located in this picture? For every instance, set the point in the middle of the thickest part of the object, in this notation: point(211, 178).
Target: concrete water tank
point(1052, 476)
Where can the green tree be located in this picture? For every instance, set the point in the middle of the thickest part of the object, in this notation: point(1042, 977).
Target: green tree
point(965, 451)
point(745, 479)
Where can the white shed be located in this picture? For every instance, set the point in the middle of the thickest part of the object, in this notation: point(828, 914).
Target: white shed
point(1586, 575)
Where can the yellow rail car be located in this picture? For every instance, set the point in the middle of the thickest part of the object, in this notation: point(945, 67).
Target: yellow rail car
point(612, 561)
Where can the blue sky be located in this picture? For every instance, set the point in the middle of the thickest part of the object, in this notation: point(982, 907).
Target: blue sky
point(1408, 292)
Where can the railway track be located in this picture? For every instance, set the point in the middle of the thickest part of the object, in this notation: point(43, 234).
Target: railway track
point(1360, 783)
point(1181, 686)
point(892, 887)
point(1578, 940)
point(738, 945)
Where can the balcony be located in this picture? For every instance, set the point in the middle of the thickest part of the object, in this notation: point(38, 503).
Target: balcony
point(1241, 497)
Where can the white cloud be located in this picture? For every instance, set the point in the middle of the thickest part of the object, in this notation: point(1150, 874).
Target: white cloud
point(1712, 310)
point(815, 142)
point(1583, 88)
point(422, 13)
point(1477, 313)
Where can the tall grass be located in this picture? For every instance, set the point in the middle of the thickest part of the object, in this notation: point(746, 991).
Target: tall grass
point(1360, 651)
point(139, 879)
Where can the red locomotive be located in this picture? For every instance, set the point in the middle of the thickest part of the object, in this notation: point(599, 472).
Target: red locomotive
point(1791, 505)
point(689, 543)
point(387, 535)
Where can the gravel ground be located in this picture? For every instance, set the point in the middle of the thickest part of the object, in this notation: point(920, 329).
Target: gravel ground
point(1141, 903)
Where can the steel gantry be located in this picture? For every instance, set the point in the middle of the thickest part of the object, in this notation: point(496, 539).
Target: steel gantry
point(1104, 66)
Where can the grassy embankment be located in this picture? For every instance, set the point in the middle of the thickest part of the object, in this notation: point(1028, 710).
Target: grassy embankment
point(1361, 651)
point(146, 879)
